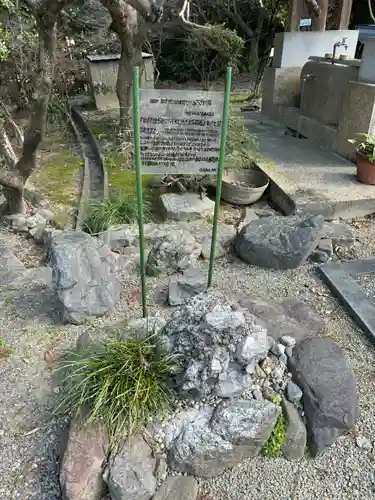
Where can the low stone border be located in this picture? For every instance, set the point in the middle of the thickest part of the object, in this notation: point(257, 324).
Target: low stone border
point(340, 278)
point(94, 178)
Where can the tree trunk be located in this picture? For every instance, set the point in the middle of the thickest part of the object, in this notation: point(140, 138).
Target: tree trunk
point(126, 24)
point(15, 177)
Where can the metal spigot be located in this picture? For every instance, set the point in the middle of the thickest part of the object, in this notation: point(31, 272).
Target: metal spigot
point(339, 44)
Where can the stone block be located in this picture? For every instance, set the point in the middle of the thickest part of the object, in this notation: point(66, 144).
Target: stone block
point(187, 206)
point(281, 86)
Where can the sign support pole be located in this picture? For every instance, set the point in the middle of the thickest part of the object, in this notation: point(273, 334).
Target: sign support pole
point(223, 141)
point(138, 173)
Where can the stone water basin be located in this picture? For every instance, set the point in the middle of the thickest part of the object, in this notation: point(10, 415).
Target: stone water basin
point(325, 85)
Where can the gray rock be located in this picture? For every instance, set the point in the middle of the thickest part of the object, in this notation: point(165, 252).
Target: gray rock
point(161, 469)
point(83, 276)
point(18, 222)
point(174, 252)
point(224, 241)
point(206, 443)
point(186, 206)
point(330, 402)
point(257, 394)
point(296, 435)
point(144, 327)
point(130, 474)
point(11, 267)
point(293, 392)
point(339, 233)
point(37, 233)
point(119, 237)
point(288, 341)
point(289, 317)
point(182, 287)
point(82, 464)
point(325, 245)
point(35, 220)
point(279, 242)
point(178, 488)
point(318, 256)
point(289, 351)
point(284, 359)
point(214, 338)
point(278, 349)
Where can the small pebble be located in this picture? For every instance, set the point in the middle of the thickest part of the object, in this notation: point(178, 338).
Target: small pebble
point(293, 392)
point(363, 443)
point(278, 349)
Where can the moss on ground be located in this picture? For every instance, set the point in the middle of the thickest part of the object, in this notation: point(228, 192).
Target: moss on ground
point(274, 446)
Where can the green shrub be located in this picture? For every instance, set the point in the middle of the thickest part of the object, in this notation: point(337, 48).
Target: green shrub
point(274, 446)
point(119, 208)
point(122, 383)
point(241, 145)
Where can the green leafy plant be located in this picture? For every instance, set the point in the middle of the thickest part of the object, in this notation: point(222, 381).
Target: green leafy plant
point(119, 208)
point(122, 384)
point(274, 446)
point(365, 145)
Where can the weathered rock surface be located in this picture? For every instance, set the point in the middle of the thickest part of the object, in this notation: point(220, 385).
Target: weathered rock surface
point(84, 276)
point(323, 251)
point(219, 344)
point(330, 400)
point(119, 237)
point(184, 286)
point(289, 317)
point(186, 206)
point(296, 435)
point(224, 241)
point(130, 474)
point(206, 442)
point(293, 392)
point(279, 242)
point(339, 233)
point(177, 488)
point(82, 464)
point(172, 253)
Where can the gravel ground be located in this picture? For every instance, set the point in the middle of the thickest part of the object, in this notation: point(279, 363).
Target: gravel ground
point(29, 433)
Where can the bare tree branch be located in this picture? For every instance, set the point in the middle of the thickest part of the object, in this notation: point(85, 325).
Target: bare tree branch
point(18, 133)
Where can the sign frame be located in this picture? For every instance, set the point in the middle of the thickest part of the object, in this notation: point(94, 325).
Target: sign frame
point(138, 173)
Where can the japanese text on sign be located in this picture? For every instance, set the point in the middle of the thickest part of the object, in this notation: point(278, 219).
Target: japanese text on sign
point(180, 131)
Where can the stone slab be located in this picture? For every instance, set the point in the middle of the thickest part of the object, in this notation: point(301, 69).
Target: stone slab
point(187, 206)
point(340, 278)
point(308, 179)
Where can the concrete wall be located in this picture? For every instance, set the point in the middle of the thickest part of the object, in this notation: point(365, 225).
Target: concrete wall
point(324, 89)
point(104, 77)
point(357, 115)
point(281, 86)
point(294, 49)
point(367, 67)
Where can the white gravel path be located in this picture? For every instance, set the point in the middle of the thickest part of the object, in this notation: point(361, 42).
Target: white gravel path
point(29, 432)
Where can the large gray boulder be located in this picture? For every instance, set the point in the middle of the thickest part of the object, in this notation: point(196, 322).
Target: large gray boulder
point(289, 317)
point(83, 461)
point(84, 276)
point(218, 343)
point(207, 442)
point(130, 472)
point(330, 401)
point(172, 253)
point(279, 242)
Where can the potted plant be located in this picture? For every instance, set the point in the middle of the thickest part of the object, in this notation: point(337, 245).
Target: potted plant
point(365, 145)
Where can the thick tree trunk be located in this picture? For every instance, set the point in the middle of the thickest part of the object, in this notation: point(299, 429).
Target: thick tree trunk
point(15, 174)
point(125, 23)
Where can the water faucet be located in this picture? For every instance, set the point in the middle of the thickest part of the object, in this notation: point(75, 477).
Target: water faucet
point(339, 44)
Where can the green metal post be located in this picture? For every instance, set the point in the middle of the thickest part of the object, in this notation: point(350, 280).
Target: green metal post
point(138, 174)
point(223, 141)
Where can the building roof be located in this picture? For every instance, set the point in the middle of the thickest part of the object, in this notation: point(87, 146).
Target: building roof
point(112, 57)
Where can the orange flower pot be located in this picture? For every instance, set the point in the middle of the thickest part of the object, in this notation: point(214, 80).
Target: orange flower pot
point(365, 170)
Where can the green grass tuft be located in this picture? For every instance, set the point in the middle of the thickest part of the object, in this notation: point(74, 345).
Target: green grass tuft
point(119, 208)
point(122, 384)
point(274, 446)
point(5, 350)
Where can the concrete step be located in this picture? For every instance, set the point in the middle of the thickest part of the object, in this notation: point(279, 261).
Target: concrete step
point(306, 178)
